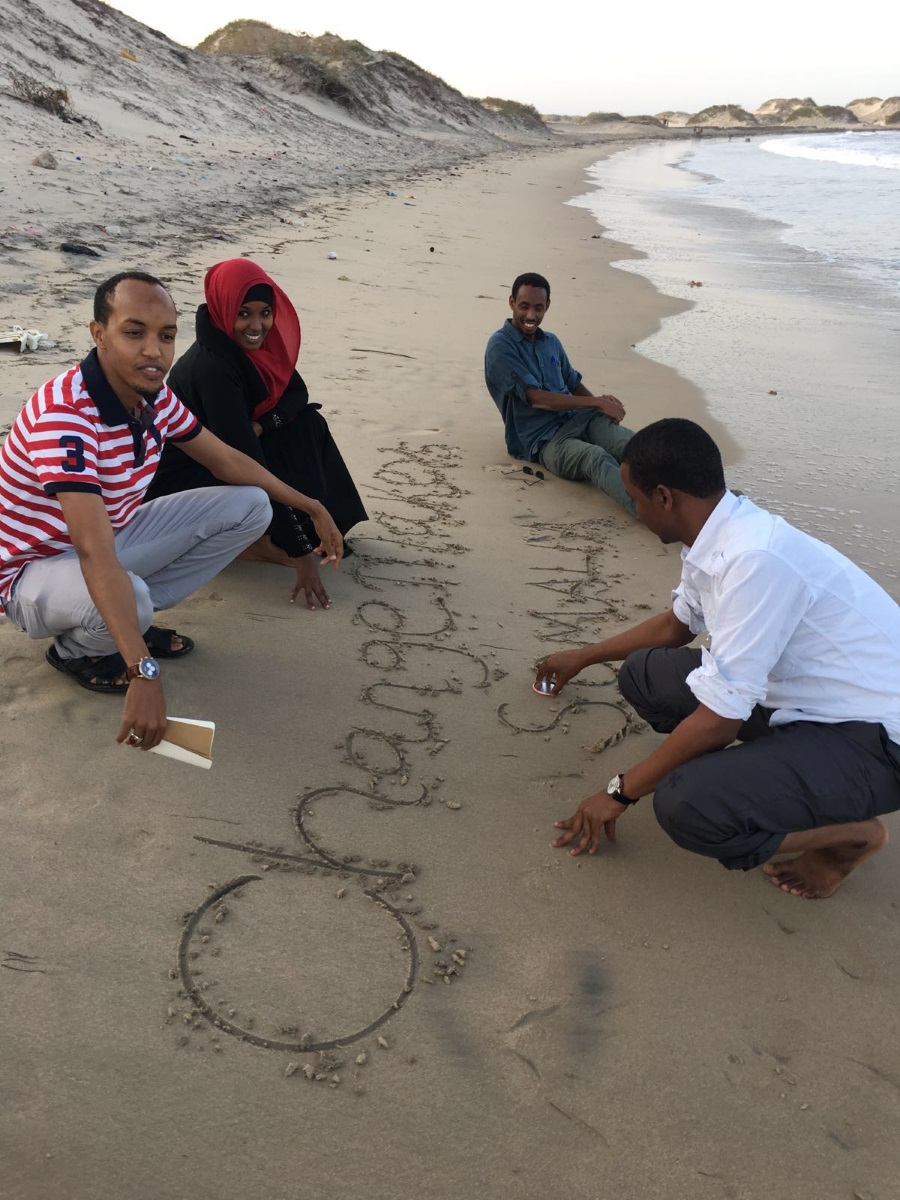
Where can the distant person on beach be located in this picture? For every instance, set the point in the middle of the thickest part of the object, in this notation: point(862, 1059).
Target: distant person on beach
point(80, 560)
point(802, 667)
point(239, 379)
point(549, 414)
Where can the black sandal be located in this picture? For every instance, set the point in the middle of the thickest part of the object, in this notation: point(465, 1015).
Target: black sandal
point(95, 674)
point(159, 643)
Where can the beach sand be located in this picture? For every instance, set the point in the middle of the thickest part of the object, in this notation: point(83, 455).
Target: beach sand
point(362, 888)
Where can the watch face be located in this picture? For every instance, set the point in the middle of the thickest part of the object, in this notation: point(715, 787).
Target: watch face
point(614, 785)
point(149, 668)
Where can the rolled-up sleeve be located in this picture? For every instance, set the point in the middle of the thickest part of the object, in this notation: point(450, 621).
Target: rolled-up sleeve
point(506, 375)
point(761, 600)
point(687, 609)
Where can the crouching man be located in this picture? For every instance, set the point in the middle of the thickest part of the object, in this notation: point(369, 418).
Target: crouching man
point(802, 667)
point(80, 560)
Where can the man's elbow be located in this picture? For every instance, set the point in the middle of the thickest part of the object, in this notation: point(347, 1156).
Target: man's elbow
point(679, 633)
point(719, 731)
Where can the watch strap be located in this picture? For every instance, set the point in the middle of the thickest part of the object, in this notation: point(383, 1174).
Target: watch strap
point(619, 795)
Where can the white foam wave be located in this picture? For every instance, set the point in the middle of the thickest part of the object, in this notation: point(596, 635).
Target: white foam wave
point(851, 158)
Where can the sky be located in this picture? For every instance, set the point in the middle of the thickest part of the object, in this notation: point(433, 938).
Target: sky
point(580, 56)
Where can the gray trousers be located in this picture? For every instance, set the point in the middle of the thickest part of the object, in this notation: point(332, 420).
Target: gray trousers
point(738, 804)
point(171, 547)
point(590, 446)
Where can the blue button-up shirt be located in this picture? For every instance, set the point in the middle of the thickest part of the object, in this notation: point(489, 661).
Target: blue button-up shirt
point(512, 364)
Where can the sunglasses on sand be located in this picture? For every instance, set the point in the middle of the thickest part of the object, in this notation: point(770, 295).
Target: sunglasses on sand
point(538, 475)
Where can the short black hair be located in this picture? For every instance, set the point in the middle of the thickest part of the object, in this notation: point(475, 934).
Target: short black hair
point(103, 297)
point(530, 279)
point(677, 454)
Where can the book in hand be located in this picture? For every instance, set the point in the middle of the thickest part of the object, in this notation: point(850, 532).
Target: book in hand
point(188, 741)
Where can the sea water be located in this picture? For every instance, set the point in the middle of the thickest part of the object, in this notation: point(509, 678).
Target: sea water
point(796, 242)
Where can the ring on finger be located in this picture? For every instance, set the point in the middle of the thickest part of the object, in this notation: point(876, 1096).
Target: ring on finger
point(134, 739)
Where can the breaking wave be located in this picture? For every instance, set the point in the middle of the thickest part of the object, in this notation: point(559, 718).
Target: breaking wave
point(825, 150)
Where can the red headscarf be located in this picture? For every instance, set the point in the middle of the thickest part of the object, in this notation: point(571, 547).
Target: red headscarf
point(225, 286)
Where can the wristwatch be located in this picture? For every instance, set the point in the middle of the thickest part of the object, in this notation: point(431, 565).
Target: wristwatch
point(147, 668)
point(614, 789)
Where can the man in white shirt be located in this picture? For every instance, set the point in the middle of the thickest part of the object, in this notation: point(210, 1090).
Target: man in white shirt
point(802, 667)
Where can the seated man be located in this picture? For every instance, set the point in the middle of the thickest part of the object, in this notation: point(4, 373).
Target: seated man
point(549, 415)
point(802, 667)
point(80, 560)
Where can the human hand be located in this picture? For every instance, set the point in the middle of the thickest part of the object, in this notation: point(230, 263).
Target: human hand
point(559, 669)
point(613, 407)
point(597, 813)
point(331, 544)
point(144, 716)
point(309, 581)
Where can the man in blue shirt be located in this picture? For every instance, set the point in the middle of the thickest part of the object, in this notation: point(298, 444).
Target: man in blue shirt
point(549, 415)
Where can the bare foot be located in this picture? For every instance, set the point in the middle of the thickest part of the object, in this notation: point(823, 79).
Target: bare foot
point(817, 874)
point(264, 550)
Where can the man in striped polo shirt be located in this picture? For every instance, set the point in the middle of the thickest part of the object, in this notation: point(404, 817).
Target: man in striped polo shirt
point(81, 560)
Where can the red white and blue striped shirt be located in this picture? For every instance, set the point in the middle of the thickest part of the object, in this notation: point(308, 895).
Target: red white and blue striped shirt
point(75, 435)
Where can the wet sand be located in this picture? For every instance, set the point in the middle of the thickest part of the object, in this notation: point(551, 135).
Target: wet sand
point(361, 890)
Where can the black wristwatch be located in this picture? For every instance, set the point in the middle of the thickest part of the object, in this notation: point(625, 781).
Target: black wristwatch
point(614, 789)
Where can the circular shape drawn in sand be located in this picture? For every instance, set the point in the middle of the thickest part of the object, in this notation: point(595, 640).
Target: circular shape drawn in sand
point(298, 968)
point(381, 617)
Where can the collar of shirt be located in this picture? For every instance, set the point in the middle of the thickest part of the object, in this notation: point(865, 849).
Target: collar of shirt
point(518, 336)
point(707, 547)
point(113, 411)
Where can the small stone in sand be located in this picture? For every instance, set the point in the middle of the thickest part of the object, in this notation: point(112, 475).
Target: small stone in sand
point(384, 1043)
point(434, 944)
point(332, 255)
point(46, 160)
point(291, 1069)
point(362, 1059)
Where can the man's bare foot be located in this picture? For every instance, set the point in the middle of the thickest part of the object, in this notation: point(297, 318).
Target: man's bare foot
point(817, 874)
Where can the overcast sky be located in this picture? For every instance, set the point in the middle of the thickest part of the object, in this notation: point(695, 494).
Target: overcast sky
point(579, 56)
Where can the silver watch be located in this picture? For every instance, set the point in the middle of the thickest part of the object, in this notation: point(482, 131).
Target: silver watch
point(615, 789)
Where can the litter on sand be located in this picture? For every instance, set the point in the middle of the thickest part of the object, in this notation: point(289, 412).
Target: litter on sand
point(27, 339)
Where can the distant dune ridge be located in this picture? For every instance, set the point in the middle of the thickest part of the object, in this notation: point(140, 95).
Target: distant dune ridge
point(380, 87)
point(796, 112)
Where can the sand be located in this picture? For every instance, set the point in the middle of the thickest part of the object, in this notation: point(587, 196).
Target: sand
point(345, 961)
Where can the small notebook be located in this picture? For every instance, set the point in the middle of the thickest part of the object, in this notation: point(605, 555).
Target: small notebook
point(188, 741)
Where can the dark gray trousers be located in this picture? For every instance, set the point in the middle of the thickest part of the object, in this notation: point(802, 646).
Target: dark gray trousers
point(738, 804)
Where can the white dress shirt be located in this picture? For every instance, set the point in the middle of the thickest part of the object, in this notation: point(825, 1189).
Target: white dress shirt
point(793, 625)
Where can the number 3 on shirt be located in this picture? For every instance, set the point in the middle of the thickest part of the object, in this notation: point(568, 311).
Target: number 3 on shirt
point(74, 460)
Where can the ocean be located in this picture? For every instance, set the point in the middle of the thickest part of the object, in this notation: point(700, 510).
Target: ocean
point(793, 335)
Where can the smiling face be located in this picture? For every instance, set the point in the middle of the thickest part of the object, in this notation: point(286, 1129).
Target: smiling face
point(136, 344)
point(528, 306)
point(254, 321)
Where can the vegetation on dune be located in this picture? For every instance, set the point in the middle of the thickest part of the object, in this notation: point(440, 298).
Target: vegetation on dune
point(838, 113)
point(716, 112)
point(512, 110)
point(893, 119)
point(252, 37)
point(597, 118)
point(827, 112)
point(48, 96)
